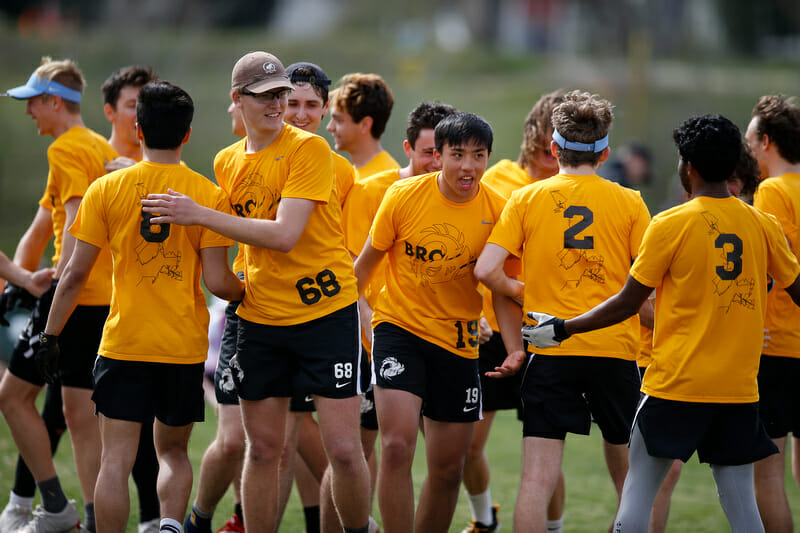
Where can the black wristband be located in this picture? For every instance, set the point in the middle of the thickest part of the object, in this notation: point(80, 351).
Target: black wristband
point(560, 330)
point(45, 338)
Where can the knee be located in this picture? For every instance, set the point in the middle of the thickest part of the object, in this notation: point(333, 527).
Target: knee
point(447, 473)
point(231, 446)
point(263, 451)
point(474, 454)
point(396, 452)
point(345, 453)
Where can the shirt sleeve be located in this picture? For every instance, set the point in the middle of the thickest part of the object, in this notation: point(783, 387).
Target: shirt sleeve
point(781, 262)
point(68, 172)
point(509, 232)
point(310, 172)
point(640, 223)
point(90, 223)
point(654, 257)
point(770, 199)
point(384, 227)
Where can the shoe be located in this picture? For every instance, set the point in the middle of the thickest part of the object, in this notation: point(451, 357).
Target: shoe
point(63, 521)
point(479, 527)
point(373, 526)
point(233, 525)
point(14, 517)
point(151, 526)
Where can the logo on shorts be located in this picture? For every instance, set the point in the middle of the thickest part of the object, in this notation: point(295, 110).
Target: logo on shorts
point(468, 409)
point(345, 384)
point(367, 405)
point(391, 367)
point(235, 372)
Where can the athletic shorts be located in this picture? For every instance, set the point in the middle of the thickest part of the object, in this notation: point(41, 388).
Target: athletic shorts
point(136, 391)
point(562, 394)
point(224, 386)
point(447, 383)
point(369, 416)
point(498, 393)
point(21, 363)
point(726, 434)
point(317, 357)
point(302, 403)
point(779, 404)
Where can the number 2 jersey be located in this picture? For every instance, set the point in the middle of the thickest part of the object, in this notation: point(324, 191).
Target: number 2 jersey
point(316, 277)
point(433, 245)
point(158, 311)
point(577, 236)
point(709, 259)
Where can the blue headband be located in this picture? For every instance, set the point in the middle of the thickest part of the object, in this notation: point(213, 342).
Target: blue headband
point(37, 86)
point(597, 146)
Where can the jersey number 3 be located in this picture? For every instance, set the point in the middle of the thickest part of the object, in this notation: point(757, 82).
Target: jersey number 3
point(731, 245)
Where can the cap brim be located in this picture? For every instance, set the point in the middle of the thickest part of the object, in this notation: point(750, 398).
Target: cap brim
point(268, 85)
point(23, 92)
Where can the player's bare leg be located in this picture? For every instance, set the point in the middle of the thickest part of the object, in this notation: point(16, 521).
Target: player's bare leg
point(446, 445)
point(175, 470)
point(541, 469)
point(222, 461)
point(17, 398)
point(120, 440)
point(84, 431)
point(769, 484)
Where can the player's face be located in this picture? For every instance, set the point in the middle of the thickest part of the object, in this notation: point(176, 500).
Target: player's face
point(345, 131)
point(41, 111)
point(462, 169)
point(544, 163)
point(263, 112)
point(422, 156)
point(237, 124)
point(755, 142)
point(735, 186)
point(305, 109)
point(123, 117)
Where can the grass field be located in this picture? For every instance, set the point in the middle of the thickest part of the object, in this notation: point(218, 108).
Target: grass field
point(590, 497)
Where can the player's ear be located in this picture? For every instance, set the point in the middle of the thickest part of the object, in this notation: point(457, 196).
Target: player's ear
point(554, 149)
point(407, 148)
point(437, 157)
point(365, 125)
point(325, 108)
point(187, 136)
point(604, 154)
point(108, 111)
point(139, 134)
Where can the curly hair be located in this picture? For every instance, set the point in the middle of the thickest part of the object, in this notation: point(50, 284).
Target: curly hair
point(711, 143)
point(365, 95)
point(747, 171)
point(779, 119)
point(581, 117)
point(538, 124)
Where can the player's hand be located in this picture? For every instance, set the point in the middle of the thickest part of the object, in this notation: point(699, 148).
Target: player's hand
point(172, 208)
point(46, 357)
point(118, 163)
point(484, 331)
point(549, 330)
point(40, 282)
point(12, 296)
point(512, 364)
point(39, 315)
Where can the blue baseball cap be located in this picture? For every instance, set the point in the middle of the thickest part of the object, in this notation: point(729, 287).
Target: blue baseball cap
point(37, 86)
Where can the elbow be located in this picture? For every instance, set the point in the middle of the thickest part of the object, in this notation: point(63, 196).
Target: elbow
point(286, 243)
point(483, 274)
point(227, 291)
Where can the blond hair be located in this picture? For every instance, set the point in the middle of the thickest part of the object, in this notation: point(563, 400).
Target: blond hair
point(65, 72)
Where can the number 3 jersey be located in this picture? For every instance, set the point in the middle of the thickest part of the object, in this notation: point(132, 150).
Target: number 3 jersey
point(316, 277)
point(577, 236)
point(433, 245)
point(709, 259)
point(158, 311)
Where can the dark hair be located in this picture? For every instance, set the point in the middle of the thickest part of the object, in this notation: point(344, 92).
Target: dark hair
point(460, 128)
point(585, 118)
point(133, 76)
point(164, 113)
point(747, 171)
point(426, 116)
point(711, 143)
point(779, 119)
point(365, 95)
point(311, 74)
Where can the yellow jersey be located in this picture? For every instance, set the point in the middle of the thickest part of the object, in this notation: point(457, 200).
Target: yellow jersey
point(158, 310)
point(780, 196)
point(379, 163)
point(432, 246)
point(709, 259)
point(316, 277)
point(345, 176)
point(576, 236)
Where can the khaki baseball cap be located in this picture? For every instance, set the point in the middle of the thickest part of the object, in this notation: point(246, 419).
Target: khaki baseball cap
point(259, 72)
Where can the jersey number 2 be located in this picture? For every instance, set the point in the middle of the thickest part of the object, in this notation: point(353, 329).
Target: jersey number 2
point(571, 239)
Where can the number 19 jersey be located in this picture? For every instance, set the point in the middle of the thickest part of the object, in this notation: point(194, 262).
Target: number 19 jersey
point(577, 236)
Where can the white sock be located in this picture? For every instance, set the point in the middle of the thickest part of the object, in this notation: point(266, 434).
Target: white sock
point(481, 506)
point(554, 526)
point(20, 500)
point(168, 525)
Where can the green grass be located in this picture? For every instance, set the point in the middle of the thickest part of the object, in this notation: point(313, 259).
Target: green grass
point(590, 502)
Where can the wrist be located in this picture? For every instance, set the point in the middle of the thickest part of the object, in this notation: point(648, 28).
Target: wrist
point(560, 329)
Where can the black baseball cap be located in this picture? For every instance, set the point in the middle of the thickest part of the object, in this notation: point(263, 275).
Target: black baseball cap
point(317, 78)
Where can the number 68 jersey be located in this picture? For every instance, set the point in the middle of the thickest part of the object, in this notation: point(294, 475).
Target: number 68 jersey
point(710, 258)
point(577, 236)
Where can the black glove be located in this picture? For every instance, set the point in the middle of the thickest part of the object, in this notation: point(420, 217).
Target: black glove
point(41, 311)
point(13, 296)
point(46, 357)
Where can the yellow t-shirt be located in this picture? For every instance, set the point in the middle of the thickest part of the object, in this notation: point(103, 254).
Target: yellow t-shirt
point(576, 236)
point(709, 259)
point(77, 158)
point(645, 346)
point(345, 176)
point(432, 246)
point(505, 177)
point(379, 163)
point(780, 196)
point(314, 279)
point(158, 310)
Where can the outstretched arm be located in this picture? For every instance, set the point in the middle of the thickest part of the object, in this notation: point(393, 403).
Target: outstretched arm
point(35, 283)
point(280, 234)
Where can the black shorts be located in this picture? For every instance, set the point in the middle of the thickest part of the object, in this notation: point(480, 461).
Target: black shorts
point(369, 416)
point(302, 403)
point(224, 385)
point(317, 357)
point(779, 403)
point(136, 391)
point(21, 363)
point(726, 434)
point(498, 393)
point(447, 383)
point(562, 394)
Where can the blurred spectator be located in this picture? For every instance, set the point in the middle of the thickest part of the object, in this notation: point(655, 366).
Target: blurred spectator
point(632, 167)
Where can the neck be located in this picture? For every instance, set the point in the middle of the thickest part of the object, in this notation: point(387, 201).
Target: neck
point(69, 121)
point(365, 151)
point(257, 140)
point(712, 189)
point(780, 166)
point(165, 157)
point(123, 148)
point(406, 172)
point(538, 173)
point(580, 170)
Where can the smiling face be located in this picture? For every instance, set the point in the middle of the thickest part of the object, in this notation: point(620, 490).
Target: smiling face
point(346, 132)
point(305, 108)
point(422, 156)
point(123, 116)
point(40, 108)
point(462, 169)
point(262, 114)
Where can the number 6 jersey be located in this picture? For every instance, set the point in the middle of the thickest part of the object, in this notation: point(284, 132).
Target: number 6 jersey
point(577, 236)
